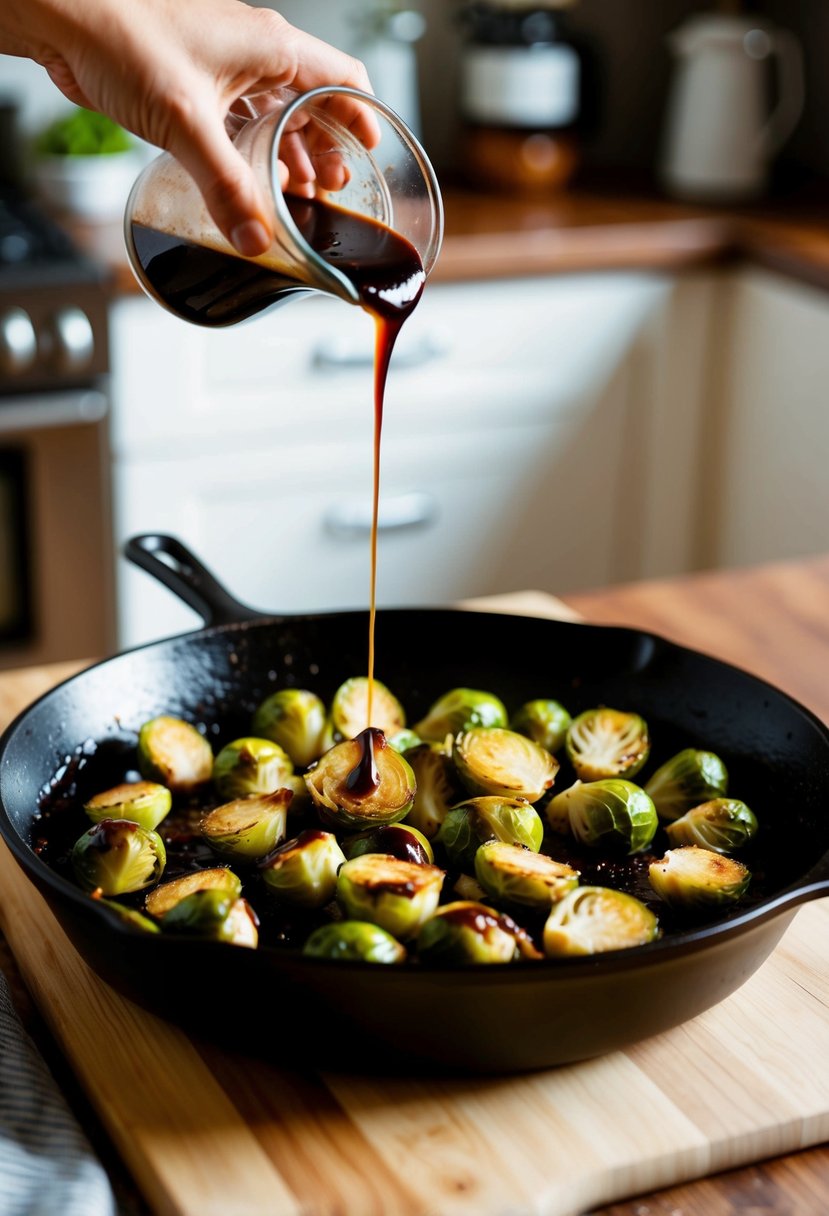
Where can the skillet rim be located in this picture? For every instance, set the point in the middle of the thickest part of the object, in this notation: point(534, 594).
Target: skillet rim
point(814, 884)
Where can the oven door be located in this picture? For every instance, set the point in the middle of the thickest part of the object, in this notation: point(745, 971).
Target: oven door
point(56, 585)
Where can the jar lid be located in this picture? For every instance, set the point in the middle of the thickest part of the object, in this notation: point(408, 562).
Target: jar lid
point(514, 22)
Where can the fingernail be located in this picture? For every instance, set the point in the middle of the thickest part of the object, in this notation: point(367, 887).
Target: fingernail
point(250, 238)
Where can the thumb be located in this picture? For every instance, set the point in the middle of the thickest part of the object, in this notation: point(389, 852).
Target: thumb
point(228, 185)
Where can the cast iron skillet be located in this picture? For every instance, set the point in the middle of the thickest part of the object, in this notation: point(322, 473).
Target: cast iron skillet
point(484, 1019)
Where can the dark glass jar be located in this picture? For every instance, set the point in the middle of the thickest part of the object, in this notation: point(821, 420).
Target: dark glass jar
point(521, 96)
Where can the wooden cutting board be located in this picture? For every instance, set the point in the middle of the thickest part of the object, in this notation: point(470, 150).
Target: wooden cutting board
point(208, 1133)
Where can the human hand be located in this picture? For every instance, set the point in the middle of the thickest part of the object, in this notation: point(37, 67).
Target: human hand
point(170, 71)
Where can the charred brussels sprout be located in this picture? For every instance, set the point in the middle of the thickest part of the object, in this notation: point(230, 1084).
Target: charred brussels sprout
point(404, 740)
point(173, 752)
point(461, 709)
point(247, 828)
point(295, 719)
point(396, 895)
point(167, 894)
point(604, 743)
point(143, 802)
point(545, 722)
point(591, 920)
point(722, 825)
point(303, 871)
point(216, 916)
point(687, 779)
point(251, 766)
point(399, 840)
point(473, 823)
point(491, 760)
point(697, 879)
point(438, 788)
point(469, 932)
point(349, 709)
point(362, 782)
point(117, 856)
point(354, 941)
point(614, 815)
point(130, 918)
point(513, 875)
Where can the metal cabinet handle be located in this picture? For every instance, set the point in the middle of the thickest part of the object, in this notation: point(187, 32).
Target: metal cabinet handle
point(334, 354)
point(42, 411)
point(352, 517)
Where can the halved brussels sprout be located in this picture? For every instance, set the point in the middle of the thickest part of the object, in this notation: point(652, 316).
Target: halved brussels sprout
point(687, 779)
point(173, 752)
point(591, 920)
point(167, 894)
point(404, 740)
point(354, 941)
point(251, 766)
point(515, 875)
point(214, 915)
point(722, 825)
point(543, 721)
point(295, 719)
point(492, 760)
point(303, 871)
point(396, 895)
point(469, 932)
point(143, 802)
point(472, 823)
point(301, 800)
point(349, 709)
point(117, 856)
point(362, 782)
point(461, 709)
point(603, 743)
point(698, 879)
point(399, 840)
point(247, 827)
point(129, 917)
point(438, 788)
point(615, 815)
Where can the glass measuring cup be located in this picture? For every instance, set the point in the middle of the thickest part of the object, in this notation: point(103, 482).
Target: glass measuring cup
point(182, 260)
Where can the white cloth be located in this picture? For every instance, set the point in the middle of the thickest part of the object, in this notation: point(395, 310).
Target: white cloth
point(47, 1167)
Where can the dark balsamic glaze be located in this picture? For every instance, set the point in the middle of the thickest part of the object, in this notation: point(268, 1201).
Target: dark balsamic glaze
point(364, 778)
point(214, 288)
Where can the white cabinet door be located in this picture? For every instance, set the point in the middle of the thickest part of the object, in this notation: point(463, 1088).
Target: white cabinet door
point(512, 454)
point(772, 423)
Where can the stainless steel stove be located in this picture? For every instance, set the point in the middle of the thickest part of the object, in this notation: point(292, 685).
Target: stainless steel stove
point(55, 534)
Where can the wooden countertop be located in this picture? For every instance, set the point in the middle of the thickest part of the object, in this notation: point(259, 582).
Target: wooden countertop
point(585, 229)
point(773, 620)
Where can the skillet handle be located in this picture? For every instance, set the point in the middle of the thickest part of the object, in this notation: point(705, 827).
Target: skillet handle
point(172, 563)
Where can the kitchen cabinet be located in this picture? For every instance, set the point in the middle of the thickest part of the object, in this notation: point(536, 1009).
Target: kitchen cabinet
point(769, 424)
point(526, 430)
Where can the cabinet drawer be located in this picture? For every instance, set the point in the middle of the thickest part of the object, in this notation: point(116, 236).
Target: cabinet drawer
point(491, 354)
point(291, 535)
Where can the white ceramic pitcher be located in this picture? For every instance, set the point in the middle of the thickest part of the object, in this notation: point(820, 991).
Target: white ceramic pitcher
point(719, 136)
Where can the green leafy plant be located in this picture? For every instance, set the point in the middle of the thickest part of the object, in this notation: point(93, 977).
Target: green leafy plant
point(83, 133)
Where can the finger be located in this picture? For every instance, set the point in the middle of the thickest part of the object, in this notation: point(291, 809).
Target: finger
point(226, 182)
point(293, 152)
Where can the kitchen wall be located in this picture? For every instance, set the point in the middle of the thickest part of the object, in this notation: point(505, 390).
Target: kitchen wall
point(629, 39)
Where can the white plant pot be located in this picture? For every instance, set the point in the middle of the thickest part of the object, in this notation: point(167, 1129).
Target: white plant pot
point(90, 187)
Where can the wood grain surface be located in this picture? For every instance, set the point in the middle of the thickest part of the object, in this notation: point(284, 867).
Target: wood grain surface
point(204, 1131)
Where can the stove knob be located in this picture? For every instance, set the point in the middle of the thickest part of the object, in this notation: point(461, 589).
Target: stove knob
point(18, 342)
point(72, 341)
